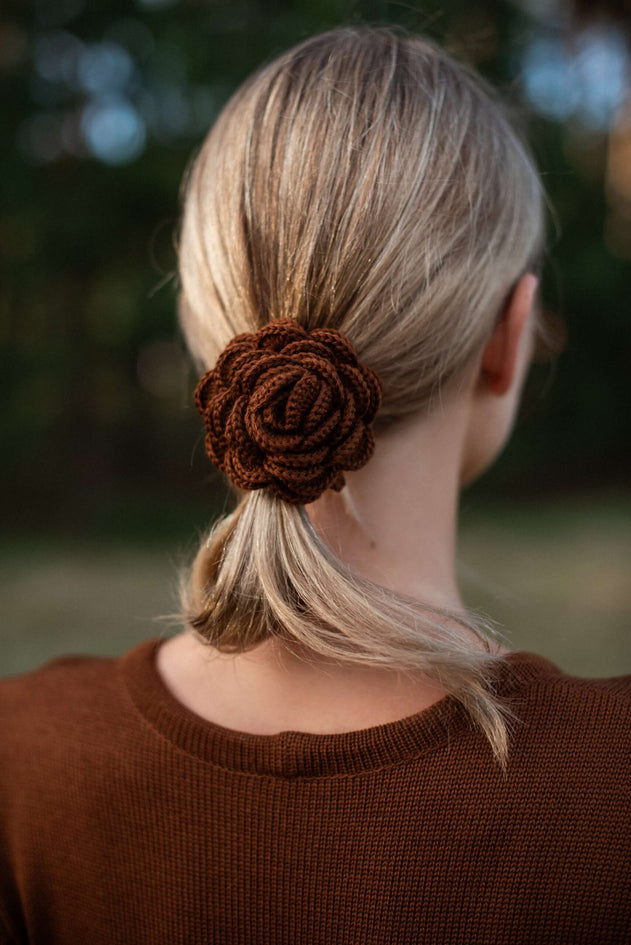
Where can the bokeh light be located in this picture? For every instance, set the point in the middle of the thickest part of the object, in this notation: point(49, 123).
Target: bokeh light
point(113, 130)
point(585, 79)
point(104, 68)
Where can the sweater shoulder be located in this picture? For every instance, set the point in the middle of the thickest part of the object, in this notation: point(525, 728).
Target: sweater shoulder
point(567, 722)
point(58, 683)
point(548, 684)
point(67, 701)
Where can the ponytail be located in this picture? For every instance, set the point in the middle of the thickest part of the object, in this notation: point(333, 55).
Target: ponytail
point(363, 183)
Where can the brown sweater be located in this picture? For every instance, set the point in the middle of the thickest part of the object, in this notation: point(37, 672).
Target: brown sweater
point(127, 820)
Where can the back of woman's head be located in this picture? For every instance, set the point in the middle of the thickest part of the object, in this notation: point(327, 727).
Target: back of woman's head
point(364, 182)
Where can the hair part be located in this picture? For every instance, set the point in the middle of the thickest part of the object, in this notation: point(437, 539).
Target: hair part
point(366, 182)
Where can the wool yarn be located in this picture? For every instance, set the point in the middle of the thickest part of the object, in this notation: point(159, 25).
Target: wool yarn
point(289, 410)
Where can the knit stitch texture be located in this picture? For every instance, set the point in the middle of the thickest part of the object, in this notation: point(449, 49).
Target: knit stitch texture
point(289, 410)
point(125, 819)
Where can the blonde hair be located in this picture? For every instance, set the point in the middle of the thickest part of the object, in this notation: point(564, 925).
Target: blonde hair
point(363, 181)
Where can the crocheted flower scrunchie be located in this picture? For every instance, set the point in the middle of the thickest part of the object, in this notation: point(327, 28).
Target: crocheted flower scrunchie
point(289, 410)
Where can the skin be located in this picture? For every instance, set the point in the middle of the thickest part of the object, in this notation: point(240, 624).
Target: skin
point(403, 537)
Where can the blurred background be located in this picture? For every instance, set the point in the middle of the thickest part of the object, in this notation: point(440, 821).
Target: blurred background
point(105, 484)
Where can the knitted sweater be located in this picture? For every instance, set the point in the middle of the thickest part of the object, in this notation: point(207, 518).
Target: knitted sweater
point(127, 820)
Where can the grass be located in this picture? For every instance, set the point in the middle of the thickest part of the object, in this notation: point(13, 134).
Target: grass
point(553, 575)
point(556, 578)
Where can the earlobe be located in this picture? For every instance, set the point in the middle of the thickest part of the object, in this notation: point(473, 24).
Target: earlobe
point(500, 357)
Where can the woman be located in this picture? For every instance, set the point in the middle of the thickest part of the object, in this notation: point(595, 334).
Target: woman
point(334, 750)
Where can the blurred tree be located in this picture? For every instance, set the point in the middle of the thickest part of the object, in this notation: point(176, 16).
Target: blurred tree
point(104, 104)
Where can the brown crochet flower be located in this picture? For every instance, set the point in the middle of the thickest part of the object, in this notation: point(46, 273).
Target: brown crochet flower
point(288, 410)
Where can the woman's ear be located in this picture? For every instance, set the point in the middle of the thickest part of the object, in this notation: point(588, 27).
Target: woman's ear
point(500, 358)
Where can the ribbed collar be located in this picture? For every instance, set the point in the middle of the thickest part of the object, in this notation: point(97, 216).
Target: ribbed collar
point(304, 754)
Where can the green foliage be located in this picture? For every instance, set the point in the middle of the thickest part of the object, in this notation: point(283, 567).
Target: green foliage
point(104, 105)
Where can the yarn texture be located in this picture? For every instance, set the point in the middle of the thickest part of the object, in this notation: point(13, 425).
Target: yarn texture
point(126, 819)
point(289, 410)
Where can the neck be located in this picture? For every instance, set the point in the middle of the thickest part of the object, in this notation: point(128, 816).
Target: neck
point(396, 521)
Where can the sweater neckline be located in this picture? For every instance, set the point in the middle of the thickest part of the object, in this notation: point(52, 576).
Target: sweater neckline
point(294, 754)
